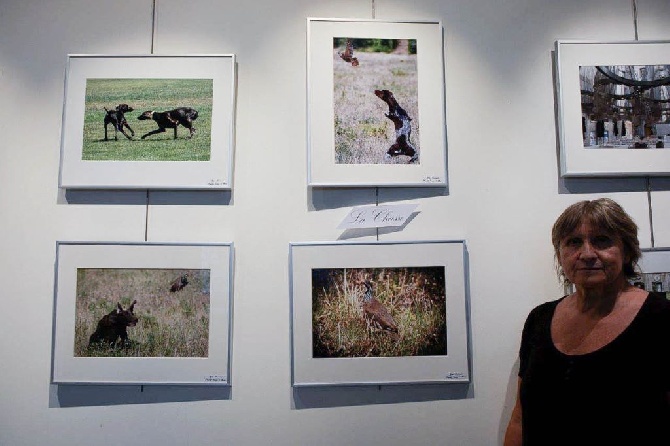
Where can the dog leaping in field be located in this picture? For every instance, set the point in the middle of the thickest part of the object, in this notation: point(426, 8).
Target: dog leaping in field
point(403, 129)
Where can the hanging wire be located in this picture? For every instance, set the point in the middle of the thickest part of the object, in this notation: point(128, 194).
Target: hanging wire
point(372, 2)
point(153, 38)
point(377, 204)
point(651, 212)
point(153, 24)
point(634, 4)
point(146, 219)
point(648, 179)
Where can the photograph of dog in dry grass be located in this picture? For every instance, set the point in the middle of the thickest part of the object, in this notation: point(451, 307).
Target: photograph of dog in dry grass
point(375, 101)
point(378, 312)
point(140, 313)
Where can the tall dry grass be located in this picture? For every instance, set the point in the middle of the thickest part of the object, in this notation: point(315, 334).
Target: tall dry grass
point(415, 297)
point(170, 324)
point(362, 133)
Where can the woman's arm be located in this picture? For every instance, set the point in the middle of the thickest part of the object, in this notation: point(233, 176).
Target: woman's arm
point(513, 432)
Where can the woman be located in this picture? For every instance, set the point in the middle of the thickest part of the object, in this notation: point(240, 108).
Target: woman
point(595, 365)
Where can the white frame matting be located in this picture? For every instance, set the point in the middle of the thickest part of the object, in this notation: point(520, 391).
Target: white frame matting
point(453, 367)
point(656, 260)
point(212, 370)
point(577, 160)
point(214, 174)
point(322, 169)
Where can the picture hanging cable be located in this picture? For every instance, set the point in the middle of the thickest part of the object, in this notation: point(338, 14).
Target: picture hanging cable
point(377, 204)
point(153, 24)
point(648, 179)
point(146, 219)
point(634, 4)
point(651, 211)
point(153, 38)
point(373, 8)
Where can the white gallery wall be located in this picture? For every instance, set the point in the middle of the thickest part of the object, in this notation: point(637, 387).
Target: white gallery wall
point(503, 194)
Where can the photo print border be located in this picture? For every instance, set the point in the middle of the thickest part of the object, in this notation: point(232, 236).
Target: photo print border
point(211, 370)
point(576, 160)
point(430, 166)
point(655, 267)
point(452, 367)
point(214, 173)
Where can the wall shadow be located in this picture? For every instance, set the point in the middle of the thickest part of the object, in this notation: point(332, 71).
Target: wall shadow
point(144, 197)
point(84, 395)
point(322, 198)
point(510, 400)
point(338, 396)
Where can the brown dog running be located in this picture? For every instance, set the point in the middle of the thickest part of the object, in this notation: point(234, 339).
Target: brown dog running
point(171, 119)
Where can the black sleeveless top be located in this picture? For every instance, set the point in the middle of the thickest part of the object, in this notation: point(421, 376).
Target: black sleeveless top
point(616, 395)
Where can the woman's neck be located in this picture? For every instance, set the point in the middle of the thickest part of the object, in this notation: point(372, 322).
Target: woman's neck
point(600, 301)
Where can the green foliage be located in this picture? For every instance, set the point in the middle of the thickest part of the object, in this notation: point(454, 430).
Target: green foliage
point(415, 297)
point(142, 95)
point(412, 46)
point(170, 324)
point(381, 45)
point(368, 45)
point(375, 45)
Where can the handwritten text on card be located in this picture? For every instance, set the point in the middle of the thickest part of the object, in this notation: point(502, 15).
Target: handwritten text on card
point(377, 216)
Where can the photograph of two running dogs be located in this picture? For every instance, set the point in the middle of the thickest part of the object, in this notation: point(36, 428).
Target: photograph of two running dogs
point(168, 119)
point(147, 120)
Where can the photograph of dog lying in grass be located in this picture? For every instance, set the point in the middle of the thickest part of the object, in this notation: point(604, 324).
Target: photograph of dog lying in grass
point(134, 313)
point(151, 107)
point(378, 312)
point(375, 99)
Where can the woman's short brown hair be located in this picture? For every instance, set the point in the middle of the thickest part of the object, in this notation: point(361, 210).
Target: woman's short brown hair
point(607, 215)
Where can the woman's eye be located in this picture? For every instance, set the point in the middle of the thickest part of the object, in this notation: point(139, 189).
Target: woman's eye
point(572, 242)
point(602, 241)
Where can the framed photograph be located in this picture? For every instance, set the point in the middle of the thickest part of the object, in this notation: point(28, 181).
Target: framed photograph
point(614, 108)
point(376, 104)
point(148, 122)
point(655, 267)
point(378, 313)
point(142, 313)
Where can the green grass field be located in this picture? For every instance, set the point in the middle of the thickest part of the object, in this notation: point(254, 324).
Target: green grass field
point(415, 297)
point(362, 133)
point(170, 324)
point(142, 95)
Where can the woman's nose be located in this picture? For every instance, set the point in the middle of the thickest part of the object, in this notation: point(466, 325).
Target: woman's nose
point(587, 250)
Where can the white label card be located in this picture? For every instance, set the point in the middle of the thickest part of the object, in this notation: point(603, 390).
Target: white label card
point(377, 216)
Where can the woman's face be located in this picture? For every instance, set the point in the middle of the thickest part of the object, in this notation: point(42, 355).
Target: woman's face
point(591, 257)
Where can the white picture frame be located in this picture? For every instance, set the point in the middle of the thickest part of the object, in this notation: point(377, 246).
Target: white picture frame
point(343, 363)
point(372, 133)
point(581, 155)
point(95, 83)
point(655, 267)
point(91, 278)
